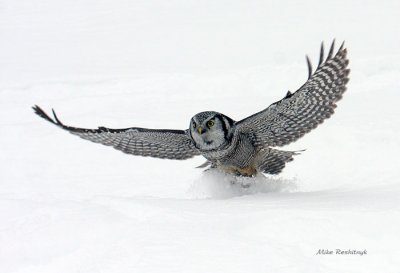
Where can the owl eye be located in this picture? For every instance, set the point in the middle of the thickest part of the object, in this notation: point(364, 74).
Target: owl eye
point(210, 123)
point(194, 124)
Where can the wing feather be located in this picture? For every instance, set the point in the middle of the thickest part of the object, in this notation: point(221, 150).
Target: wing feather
point(170, 144)
point(296, 114)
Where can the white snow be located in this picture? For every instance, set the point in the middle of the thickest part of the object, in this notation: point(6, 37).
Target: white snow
point(68, 205)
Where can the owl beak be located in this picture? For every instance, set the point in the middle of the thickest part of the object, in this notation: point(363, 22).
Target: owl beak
point(200, 130)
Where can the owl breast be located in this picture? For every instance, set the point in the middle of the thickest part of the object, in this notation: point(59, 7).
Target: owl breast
point(239, 154)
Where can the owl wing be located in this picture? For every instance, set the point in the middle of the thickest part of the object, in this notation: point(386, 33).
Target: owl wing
point(170, 144)
point(298, 113)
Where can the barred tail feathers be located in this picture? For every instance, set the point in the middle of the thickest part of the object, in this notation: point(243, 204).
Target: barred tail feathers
point(273, 161)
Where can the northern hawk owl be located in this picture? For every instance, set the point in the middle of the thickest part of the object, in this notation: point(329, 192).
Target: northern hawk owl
point(243, 147)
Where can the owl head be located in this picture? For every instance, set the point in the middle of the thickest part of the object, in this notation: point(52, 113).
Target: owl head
point(210, 130)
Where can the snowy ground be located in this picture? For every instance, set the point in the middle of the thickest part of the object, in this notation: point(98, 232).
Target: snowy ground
point(68, 205)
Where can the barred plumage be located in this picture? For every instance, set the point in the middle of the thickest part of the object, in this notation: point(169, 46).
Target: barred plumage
point(170, 144)
point(296, 114)
point(243, 147)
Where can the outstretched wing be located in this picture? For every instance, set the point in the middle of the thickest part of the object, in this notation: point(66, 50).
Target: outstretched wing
point(298, 113)
point(170, 144)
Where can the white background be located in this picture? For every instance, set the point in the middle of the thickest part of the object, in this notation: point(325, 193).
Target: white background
point(68, 205)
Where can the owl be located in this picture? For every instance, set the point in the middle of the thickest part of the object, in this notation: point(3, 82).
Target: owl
point(246, 147)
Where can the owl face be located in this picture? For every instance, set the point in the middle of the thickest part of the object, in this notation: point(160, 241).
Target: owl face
point(210, 130)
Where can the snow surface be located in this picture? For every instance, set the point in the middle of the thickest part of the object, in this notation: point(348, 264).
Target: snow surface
point(68, 205)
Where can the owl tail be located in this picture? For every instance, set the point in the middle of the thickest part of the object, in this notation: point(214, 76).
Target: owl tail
point(273, 161)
